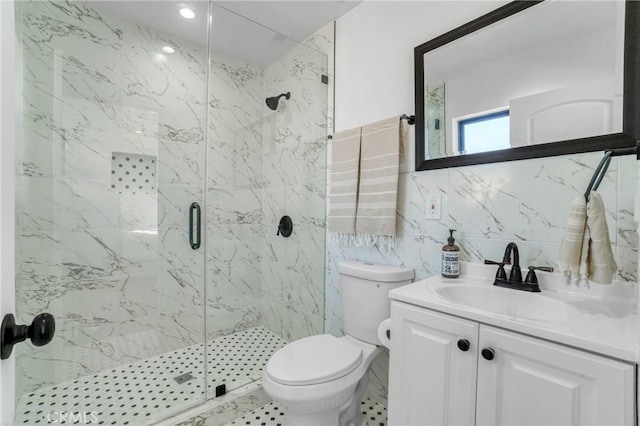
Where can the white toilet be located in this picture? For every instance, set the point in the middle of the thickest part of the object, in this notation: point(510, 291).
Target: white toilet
point(320, 380)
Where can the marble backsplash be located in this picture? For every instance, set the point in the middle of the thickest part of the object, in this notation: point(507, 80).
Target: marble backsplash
point(490, 205)
point(115, 267)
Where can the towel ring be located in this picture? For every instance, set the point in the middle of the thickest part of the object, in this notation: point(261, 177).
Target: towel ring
point(598, 174)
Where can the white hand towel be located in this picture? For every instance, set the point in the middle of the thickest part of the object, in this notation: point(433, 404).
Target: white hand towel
point(601, 265)
point(343, 197)
point(378, 190)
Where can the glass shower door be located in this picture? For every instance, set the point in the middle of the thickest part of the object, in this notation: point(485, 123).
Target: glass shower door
point(110, 159)
point(265, 160)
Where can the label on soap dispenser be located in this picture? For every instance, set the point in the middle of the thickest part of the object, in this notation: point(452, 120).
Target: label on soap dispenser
point(450, 264)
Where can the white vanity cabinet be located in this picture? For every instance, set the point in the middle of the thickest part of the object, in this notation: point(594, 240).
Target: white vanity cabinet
point(504, 378)
point(431, 380)
point(532, 381)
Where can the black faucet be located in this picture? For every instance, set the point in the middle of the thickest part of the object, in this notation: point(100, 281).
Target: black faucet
point(515, 276)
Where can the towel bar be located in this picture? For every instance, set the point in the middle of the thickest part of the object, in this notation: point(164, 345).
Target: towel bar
point(411, 119)
point(626, 151)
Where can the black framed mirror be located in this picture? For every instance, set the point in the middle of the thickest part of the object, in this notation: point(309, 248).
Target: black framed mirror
point(622, 109)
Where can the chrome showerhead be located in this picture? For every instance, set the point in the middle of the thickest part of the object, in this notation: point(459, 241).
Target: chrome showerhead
point(272, 102)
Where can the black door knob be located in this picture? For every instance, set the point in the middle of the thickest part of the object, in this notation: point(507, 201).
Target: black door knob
point(488, 354)
point(40, 331)
point(464, 345)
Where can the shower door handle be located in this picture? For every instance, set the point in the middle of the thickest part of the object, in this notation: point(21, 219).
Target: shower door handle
point(194, 209)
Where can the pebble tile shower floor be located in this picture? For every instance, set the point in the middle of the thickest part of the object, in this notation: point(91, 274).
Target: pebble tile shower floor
point(375, 414)
point(147, 391)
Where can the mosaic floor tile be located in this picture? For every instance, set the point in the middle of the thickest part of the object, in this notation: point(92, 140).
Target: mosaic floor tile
point(155, 388)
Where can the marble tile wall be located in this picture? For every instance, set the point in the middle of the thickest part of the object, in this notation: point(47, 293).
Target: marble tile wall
point(489, 205)
point(114, 267)
point(264, 164)
point(234, 195)
point(294, 164)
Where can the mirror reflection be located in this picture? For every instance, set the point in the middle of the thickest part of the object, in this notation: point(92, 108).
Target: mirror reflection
point(552, 72)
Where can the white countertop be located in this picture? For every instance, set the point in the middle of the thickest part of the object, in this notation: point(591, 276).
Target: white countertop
point(597, 318)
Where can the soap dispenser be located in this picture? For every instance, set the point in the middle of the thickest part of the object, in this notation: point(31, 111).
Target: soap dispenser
point(451, 257)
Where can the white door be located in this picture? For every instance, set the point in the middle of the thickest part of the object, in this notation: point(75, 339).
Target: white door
point(7, 125)
point(432, 368)
point(527, 381)
point(569, 113)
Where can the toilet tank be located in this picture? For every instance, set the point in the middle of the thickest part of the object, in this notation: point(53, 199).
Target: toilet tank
point(364, 288)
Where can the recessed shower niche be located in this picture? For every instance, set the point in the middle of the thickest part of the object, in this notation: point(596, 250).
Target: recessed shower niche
point(134, 173)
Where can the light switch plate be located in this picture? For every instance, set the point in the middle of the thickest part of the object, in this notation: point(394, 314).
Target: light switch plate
point(434, 206)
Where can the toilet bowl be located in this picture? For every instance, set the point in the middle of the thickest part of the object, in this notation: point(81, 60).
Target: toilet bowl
point(320, 380)
point(316, 379)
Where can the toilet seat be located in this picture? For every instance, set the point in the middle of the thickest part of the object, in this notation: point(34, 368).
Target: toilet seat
point(314, 360)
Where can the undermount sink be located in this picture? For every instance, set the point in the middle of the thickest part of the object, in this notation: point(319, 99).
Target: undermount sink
point(506, 302)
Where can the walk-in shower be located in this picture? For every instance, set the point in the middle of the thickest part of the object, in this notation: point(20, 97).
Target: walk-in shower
point(124, 123)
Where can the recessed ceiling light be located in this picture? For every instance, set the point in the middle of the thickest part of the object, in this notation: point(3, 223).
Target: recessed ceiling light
point(168, 49)
point(187, 13)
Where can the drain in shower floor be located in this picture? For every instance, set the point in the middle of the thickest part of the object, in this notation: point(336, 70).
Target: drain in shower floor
point(183, 378)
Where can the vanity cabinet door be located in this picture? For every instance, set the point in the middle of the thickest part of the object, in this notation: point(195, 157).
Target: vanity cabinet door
point(432, 380)
point(533, 382)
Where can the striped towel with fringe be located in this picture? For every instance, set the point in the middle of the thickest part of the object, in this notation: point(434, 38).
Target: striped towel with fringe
point(343, 196)
point(378, 189)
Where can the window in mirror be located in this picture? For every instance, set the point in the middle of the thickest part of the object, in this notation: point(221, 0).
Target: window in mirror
point(482, 133)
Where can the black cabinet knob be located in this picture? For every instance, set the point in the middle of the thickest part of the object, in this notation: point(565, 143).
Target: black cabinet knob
point(464, 345)
point(40, 331)
point(488, 354)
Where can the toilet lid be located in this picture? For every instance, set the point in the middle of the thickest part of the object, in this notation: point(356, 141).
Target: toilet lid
point(313, 360)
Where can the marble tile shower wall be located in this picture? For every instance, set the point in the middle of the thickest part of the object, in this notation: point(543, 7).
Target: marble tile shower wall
point(111, 264)
point(235, 185)
point(264, 164)
point(523, 201)
point(294, 184)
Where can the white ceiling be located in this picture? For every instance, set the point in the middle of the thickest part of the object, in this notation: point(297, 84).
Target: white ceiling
point(257, 31)
point(294, 19)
